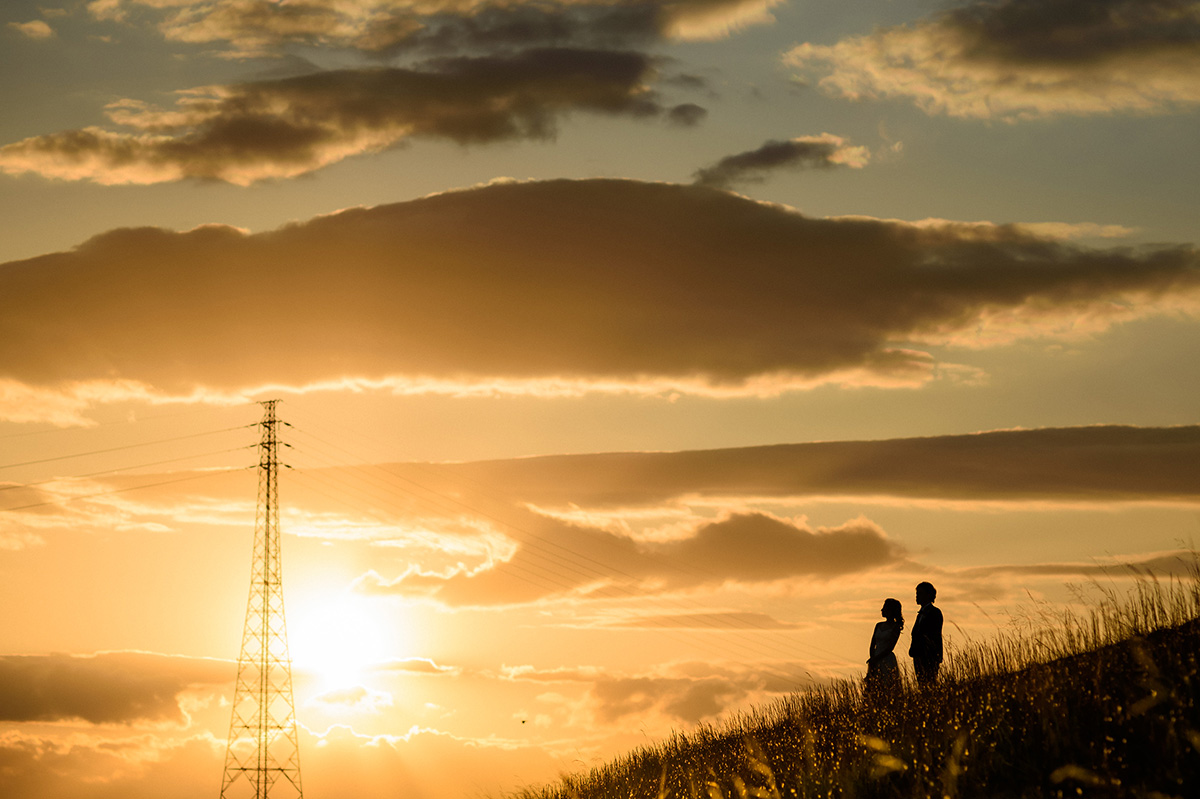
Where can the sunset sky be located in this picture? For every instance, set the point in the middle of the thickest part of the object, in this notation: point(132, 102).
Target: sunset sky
point(631, 352)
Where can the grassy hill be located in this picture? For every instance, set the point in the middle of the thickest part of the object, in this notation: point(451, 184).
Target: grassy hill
point(1101, 704)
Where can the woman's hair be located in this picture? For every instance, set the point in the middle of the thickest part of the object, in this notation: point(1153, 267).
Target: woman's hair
point(893, 610)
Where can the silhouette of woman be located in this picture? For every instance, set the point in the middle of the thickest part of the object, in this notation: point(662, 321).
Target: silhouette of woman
point(883, 673)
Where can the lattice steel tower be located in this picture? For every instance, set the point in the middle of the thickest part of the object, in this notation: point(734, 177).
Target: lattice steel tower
point(263, 758)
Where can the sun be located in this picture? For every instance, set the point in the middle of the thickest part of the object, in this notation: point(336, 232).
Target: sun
point(338, 637)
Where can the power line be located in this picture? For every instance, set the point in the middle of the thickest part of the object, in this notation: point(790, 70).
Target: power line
point(125, 447)
point(10, 486)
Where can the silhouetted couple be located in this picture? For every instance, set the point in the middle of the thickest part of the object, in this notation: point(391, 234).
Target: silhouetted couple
point(883, 673)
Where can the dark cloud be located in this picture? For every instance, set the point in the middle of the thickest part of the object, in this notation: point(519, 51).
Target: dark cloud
point(1087, 32)
point(282, 128)
point(557, 559)
point(1086, 464)
point(687, 115)
point(1025, 58)
point(499, 27)
point(807, 152)
point(755, 547)
point(648, 286)
point(108, 688)
point(258, 27)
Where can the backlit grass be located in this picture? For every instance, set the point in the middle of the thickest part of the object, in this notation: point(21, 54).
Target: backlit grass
point(1101, 703)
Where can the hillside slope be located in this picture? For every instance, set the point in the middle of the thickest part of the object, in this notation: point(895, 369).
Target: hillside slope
point(1109, 717)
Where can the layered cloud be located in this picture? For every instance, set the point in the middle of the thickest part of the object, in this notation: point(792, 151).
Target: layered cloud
point(661, 529)
point(107, 688)
point(1013, 59)
point(1181, 563)
point(1099, 464)
point(576, 556)
point(560, 560)
point(94, 767)
point(804, 152)
point(421, 762)
point(257, 27)
point(448, 515)
point(110, 501)
point(249, 132)
point(529, 287)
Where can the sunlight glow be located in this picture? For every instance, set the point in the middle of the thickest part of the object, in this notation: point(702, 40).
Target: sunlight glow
point(337, 637)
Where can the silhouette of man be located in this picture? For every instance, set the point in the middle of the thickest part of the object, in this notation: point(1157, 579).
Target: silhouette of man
point(926, 646)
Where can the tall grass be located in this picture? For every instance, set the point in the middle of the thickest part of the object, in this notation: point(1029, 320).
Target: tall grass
point(1100, 702)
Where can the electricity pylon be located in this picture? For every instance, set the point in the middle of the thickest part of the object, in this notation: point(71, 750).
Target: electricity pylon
point(263, 758)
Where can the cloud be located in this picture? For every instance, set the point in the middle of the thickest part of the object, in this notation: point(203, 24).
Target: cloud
point(1078, 230)
point(627, 510)
point(1103, 464)
point(1181, 563)
point(616, 525)
point(423, 763)
point(35, 29)
point(757, 547)
point(560, 674)
point(687, 115)
point(558, 560)
point(106, 688)
point(256, 27)
point(515, 286)
point(248, 132)
point(690, 692)
point(66, 404)
point(357, 697)
point(416, 666)
point(1020, 59)
point(158, 503)
point(690, 701)
point(95, 767)
point(806, 152)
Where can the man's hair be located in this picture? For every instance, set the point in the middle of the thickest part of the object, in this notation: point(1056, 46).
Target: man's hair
point(928, 587)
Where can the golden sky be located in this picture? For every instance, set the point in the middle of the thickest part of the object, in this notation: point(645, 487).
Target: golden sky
point(630, 353)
